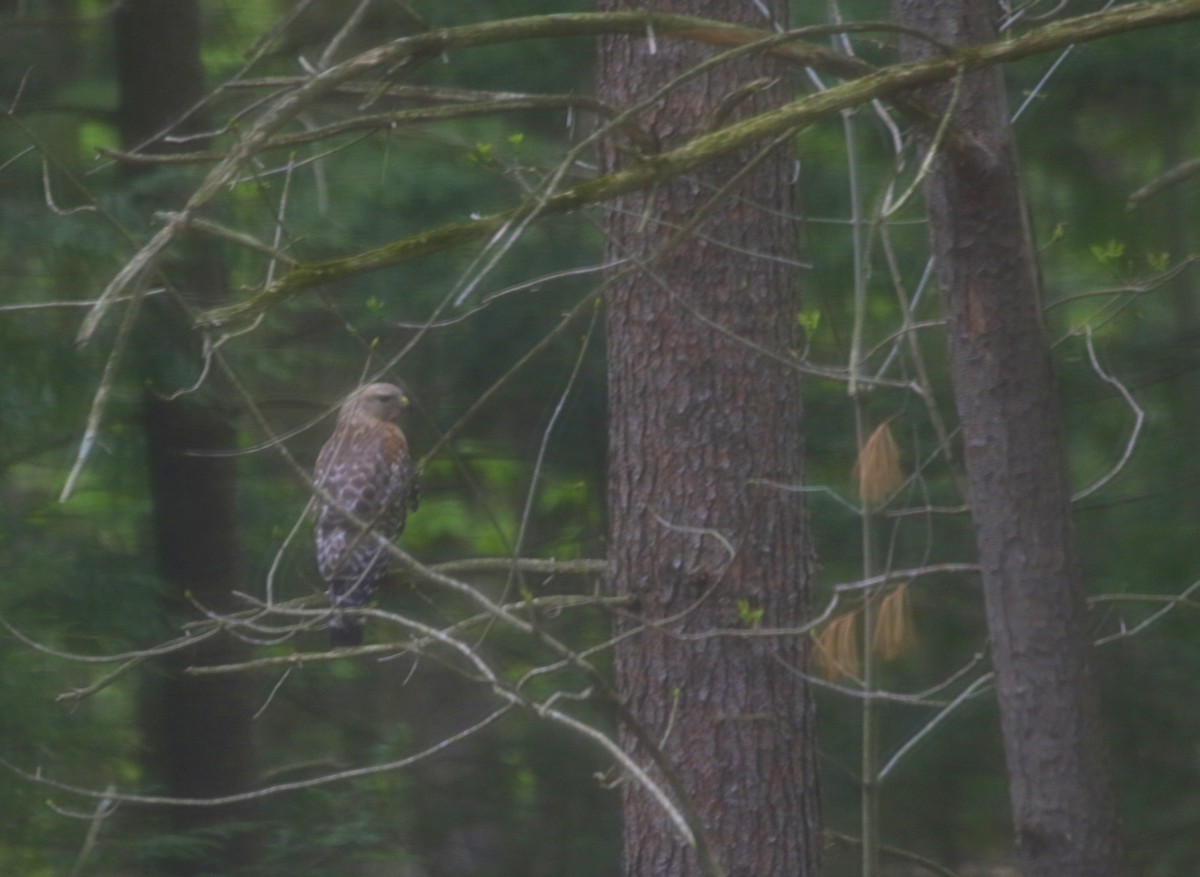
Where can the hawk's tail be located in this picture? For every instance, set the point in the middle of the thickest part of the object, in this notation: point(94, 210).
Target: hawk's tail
point(345, 631)
point(350, 593)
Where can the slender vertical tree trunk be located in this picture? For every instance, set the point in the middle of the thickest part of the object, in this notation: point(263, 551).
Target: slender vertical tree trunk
point(1020, 498)
point(700, 415)
point(196, 731)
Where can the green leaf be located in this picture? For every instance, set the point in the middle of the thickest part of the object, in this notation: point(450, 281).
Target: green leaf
point(1108, 253)
point(749, 614)
point(809, 320)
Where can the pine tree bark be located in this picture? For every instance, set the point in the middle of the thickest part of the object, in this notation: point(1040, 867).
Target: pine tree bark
point(1019, 494)
point(701, 414)
point(196, 731)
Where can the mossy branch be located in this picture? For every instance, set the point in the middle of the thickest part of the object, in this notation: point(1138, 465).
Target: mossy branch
point(650, 170)
point(376, 122)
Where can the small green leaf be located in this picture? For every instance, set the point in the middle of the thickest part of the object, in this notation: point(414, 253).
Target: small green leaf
point(1109, 252)
point(749, 614)
point(809, 320)
point(481, 155)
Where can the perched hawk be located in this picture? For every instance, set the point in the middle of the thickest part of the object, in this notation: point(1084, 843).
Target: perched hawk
point(366, 471)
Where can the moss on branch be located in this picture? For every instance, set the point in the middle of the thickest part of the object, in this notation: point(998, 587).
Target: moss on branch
point(882, 83)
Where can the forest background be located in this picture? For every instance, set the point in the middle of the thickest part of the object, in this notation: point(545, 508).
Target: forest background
point(515, 457)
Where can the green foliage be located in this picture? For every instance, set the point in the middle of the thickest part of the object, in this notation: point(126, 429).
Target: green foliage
point(1109, 253)
point(749, 614)
point(809, 320)
point(1158, 262)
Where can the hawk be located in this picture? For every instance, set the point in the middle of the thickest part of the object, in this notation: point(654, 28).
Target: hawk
point(366, 477)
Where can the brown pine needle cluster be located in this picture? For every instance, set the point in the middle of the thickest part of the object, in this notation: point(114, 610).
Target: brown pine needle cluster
point(894, 630)
point(838, 652)
point(837, 647)
point(878, 466)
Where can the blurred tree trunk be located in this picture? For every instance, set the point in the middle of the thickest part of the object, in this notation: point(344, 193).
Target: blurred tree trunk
point(700, 415)
point(1020, 497)
point(196, 731)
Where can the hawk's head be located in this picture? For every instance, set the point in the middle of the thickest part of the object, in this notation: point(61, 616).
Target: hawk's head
point(376, 401)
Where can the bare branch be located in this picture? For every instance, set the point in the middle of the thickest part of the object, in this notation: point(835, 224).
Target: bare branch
point(887, 82)
point(1139, 419)
point(1182, 599)
point(963, 696)
point(1176, 175)
point(238, 237)
point(104, 808)
point(107, 379)
point(77, 694)
point(52, 305)
point(377, 122)
point(370, 770)
point(54, 208)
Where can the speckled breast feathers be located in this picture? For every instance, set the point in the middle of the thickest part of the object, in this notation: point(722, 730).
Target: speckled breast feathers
point(365, 479)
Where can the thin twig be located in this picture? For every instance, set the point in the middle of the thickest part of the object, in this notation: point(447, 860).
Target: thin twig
point(107, 380)
point(535, 474)
point(352, 21)
point(54, 208)
point(1139, 419)
point(963, 696)
point(39, 778)
point(77, 694)
point(104, 808)
point(1154, 617)
point(896, 853)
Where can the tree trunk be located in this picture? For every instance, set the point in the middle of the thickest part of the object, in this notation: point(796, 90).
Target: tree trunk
point(1020, 498)
point(196, 731)
point(700, 415)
